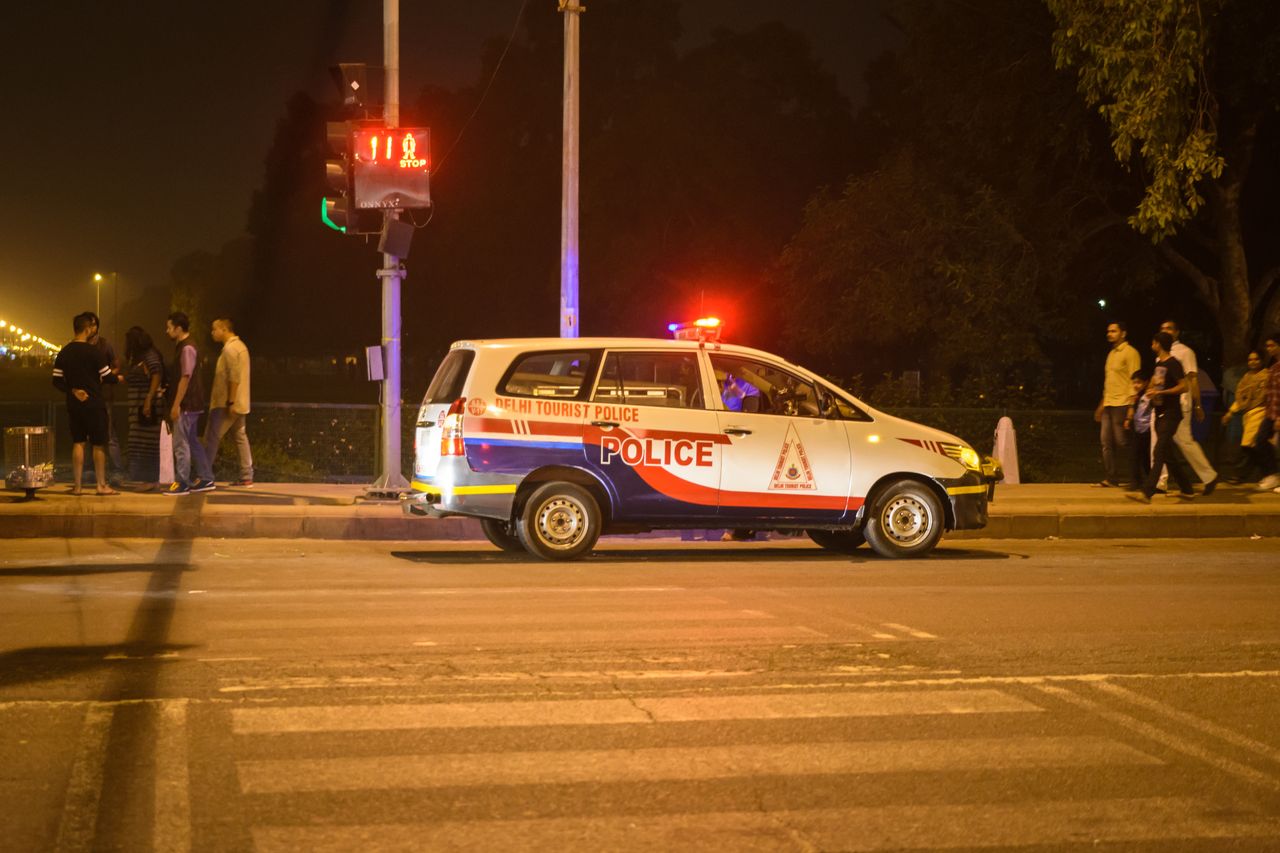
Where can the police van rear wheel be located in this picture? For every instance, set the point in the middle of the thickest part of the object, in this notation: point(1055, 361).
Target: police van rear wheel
point(842, 541)
point(905, 520)
point(501, 534)
point(560, 521)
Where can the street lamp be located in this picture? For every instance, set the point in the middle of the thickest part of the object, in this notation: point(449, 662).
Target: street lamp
point(115, 289)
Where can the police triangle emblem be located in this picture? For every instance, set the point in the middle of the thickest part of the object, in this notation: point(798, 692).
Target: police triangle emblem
point(793, 471)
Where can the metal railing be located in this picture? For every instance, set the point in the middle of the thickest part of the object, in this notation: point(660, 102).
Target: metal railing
point(329, 442)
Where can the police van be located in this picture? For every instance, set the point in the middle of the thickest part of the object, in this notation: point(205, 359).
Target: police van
point(551, 442)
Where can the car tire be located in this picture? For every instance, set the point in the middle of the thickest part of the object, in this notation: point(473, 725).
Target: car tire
point(842, 541)
point(502, 534)
point(905, 519)
point(559, 521)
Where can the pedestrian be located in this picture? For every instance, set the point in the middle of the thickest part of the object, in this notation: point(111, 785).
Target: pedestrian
point(1191, 408)
point(1117, 398)
point(145, 380)
point(1250, 404)
point(1138, 421)
point(1264, 442)
point(114, 460)
point(186, 405)
point(229, 399)
point(1167, 381)
point(80, 372)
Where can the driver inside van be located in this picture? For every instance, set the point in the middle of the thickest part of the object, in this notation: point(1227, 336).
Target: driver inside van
point(735, 390)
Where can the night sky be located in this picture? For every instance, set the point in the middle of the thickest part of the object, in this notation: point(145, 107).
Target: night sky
point(136, 132)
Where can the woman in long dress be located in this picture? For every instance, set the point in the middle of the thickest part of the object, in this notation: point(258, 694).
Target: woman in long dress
point(146, 373)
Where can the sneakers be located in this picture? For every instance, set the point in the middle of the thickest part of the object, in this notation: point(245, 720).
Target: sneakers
point(203, 486)
point(242, 483)
point(1268, 483)
point(177, 490)
point(1211, 485)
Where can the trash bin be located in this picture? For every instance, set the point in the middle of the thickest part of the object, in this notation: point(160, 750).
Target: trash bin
point(28, 459)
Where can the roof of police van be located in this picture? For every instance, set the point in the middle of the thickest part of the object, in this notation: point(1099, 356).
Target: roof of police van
point(604, 343)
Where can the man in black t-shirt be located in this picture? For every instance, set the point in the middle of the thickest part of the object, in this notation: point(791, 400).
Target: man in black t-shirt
point(80, 372)
point(1168, 381)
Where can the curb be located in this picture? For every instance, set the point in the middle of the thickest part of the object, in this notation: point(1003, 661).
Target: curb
point(386, 527)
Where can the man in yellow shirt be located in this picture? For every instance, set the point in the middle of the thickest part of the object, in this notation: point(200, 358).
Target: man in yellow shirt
point(1117, 396)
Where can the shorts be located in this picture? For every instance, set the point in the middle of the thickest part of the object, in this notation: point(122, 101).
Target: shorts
point(88, 424)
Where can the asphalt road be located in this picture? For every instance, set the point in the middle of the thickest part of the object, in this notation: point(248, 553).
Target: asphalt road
point(316, 695)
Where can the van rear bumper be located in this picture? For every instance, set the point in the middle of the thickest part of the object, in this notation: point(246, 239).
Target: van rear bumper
point(483, 496)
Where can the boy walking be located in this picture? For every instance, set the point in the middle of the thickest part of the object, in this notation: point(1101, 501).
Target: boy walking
point(186, 407)
point(80, 371)
point(1168, 382)
point(1138, 421)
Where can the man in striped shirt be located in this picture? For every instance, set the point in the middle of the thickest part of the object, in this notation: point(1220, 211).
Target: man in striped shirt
point(80, 371)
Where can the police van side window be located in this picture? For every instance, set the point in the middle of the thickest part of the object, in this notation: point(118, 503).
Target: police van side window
point(446, 385)
point(754, 387)
point(559, 375)
point(668, 379)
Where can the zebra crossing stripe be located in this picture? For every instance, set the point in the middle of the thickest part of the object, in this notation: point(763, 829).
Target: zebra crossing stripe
point(861, 830)
point(578, 712)
point(664, 764)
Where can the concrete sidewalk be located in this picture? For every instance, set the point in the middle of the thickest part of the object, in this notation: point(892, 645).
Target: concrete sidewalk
point(299, 510)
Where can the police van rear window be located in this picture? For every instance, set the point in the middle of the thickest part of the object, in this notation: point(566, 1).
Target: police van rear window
point(559, 375)
point(447, 384)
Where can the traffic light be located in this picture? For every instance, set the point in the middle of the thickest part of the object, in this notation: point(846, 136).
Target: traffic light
point(336, 210)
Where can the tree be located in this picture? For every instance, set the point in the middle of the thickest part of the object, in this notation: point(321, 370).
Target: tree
point(1188, 90)
point(975, 235)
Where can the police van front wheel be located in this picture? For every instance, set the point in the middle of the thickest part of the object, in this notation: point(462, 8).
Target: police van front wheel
point(905, 520)
point(843, 541)
point(559, 521)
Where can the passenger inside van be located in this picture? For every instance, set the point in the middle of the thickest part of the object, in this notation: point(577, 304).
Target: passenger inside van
point(739, 395)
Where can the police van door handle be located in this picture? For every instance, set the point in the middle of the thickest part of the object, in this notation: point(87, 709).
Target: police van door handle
point(610, 424)
point(736, 431)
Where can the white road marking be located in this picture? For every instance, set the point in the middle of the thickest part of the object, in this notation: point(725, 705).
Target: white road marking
point(861, 830)
point(699, 633)
point(84, 788)
point(417, 772)
point(172, 822)
point(907, 629)
point(1173, 741)
point(484, 619)
point(1203, 725)
point(338, 718)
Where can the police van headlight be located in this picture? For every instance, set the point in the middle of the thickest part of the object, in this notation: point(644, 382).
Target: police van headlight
point(969, 458)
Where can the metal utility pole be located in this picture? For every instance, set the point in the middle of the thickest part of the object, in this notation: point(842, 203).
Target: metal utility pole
point(391, 481)
point(569, 323)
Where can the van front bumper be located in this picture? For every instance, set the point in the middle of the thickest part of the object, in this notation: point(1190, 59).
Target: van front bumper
point(970, 495)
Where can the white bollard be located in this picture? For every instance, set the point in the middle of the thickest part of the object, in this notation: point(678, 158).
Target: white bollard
point(1006, 449)
point(166, 454)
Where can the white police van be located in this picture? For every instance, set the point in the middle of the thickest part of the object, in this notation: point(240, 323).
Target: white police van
point(551, 442)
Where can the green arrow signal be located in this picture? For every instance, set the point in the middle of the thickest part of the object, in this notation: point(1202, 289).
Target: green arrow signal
point(324, 217)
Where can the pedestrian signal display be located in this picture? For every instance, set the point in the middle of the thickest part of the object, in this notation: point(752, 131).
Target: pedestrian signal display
point(391, 168)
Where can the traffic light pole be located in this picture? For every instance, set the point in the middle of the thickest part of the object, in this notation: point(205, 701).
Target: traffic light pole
point(391, 481)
